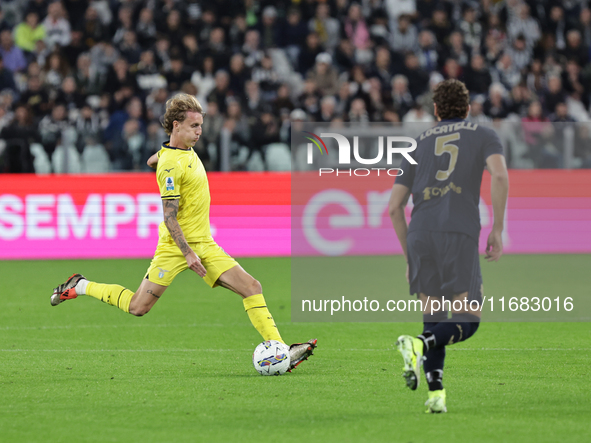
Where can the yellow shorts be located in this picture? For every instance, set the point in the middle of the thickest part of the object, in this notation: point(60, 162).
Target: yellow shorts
point(168, 262)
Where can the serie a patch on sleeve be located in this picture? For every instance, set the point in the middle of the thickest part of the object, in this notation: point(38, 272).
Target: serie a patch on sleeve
point(169, 184)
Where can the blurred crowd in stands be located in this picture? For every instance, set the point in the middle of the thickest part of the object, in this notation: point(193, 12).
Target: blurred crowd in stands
point(83, 84)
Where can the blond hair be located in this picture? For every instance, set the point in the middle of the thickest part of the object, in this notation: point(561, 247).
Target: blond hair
point(177, 108)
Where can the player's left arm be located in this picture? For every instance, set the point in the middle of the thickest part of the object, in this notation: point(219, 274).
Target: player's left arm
point(398, 200)
point(499, 191)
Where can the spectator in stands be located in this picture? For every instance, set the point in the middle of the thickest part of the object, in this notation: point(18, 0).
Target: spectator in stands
point(326, 27)
point(519, 53)
point(120, 76)
point(344, 56)
point(553, 95)
point(190, 51)
point(496, 106)
point(292, 34)
point(584, 26)
point(27, 33)
point(477, 76)
point(522, 23)
point(269, 28)
point(216, 48)
point(52, 126)
point(103, 55)
point(251, 49)
point(382, 67)
point(69, 96)
point(156, 103)
point(404, 35)
point(204, 79)
point(178, 74)
point(88, 128)
point(55, 70)
point(36, 98)
point(6, 78)
point(211, 131)
point(574, 83)
point(521, 98)
point(452, 69)
point(417, 114)
point(358, 112)
point(18, 135)
point(146, 28)
point(146, 72)
point(133, 111)
point(418, 79)
point(56, 26)
point(402, 99)
point(239, 74)
point(327, 109)
point(220, 91)
point(324, 75)
point(427, 51)
point(283, 102)
point(457, 49)
point(471, 29)
point(129, 48)
point(555, 25)
point(174, 28)
point(76, 47)
point(308, 54)
point(3, 23)
point(123, 24)
point(88, 80)
point(476, 111)
point(265, 131)
point(538, 134)
point(505, 72)
point(356, 30)
point(440, 25)
point(153, 143)
point(13, 56)
point(575, 48)
point(126, 148)
point(93, 29)
point(267, 78)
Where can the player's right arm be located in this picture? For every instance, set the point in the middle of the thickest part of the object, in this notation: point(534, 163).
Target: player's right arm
point(170, 176)
point(499, 192)
point(171, 209)
point(398, 200)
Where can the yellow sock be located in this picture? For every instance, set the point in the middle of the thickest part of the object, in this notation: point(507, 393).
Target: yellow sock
point(261, 318)
point(115, 295)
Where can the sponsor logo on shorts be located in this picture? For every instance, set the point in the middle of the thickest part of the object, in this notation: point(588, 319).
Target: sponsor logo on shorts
point(161, 273)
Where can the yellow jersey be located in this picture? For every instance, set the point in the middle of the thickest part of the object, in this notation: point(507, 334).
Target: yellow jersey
point(181, 176)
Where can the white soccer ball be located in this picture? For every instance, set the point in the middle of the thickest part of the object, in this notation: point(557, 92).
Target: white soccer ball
point(271, 358)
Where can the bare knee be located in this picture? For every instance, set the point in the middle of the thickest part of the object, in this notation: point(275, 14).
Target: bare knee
point(138, 309)
point(255, 287)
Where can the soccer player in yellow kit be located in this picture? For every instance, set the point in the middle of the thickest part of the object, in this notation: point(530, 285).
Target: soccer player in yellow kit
point(185, 240)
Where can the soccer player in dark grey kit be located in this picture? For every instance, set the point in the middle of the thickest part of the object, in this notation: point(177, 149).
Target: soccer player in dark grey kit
point(441, 242)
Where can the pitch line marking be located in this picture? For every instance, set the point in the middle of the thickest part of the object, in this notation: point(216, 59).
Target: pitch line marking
point(328, 350)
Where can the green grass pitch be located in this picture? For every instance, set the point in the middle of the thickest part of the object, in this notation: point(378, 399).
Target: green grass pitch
point(87, 372)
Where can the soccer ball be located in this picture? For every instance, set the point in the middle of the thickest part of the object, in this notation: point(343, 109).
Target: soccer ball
point(271, 358)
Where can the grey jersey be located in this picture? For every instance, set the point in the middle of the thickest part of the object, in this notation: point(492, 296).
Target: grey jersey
point(445, 182)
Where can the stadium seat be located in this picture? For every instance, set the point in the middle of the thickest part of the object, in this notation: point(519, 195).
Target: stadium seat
point(41, 163)
point(255, 163)
point(66, 159)
point(278, 157)
point(95, 159)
